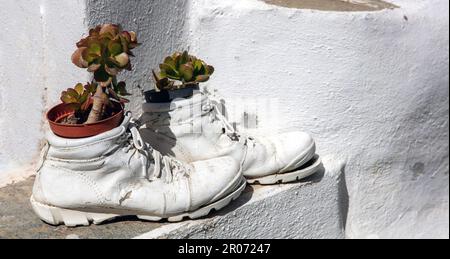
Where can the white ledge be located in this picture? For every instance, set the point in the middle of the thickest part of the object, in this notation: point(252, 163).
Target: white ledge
point(314, 208)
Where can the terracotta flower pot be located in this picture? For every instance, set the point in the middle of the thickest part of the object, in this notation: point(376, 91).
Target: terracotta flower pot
point(61, 111)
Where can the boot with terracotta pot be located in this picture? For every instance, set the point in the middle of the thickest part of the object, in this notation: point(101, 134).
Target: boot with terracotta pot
point(116, 173)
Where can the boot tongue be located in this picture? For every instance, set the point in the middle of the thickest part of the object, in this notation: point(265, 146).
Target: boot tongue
point(165, 96)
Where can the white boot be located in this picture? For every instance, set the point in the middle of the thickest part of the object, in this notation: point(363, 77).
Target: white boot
point(193, 129)
point(115, 174)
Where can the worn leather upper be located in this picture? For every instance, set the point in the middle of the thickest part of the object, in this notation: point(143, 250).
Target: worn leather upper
point(193, 129)
point(117, 171)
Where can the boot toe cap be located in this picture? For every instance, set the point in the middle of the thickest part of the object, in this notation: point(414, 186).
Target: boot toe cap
point(213, 179)
point(294, 149)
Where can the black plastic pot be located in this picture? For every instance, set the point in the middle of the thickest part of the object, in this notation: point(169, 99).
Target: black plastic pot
point(165, 96)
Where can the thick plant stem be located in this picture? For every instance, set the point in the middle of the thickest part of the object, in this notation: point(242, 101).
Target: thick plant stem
point(99, 106)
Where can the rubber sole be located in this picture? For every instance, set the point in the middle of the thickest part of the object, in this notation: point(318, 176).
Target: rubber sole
point(308, 169)
point(73, 218)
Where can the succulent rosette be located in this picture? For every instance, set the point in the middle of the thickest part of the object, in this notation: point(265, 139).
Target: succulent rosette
point(184, 68)
point(105, 52)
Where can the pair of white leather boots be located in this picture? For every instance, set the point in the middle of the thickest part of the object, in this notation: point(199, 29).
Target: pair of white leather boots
point(180, 159)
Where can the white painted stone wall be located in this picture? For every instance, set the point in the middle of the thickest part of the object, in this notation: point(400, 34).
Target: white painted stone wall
point(372, 87)
point(35, 64)
point(35, 50)
point(160, 25)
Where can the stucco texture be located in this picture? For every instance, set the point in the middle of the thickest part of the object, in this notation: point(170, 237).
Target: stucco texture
point(160, 25)
point(35, 67)
point(371, 87)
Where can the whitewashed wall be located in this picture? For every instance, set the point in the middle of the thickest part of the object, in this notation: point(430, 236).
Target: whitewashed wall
point(160, 25)
point(35, 64)
point(38, 40)
point(372, 87)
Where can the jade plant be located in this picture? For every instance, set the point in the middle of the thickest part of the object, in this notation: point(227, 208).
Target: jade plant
point(105, 52)
point(78, 99)
point(181, 70)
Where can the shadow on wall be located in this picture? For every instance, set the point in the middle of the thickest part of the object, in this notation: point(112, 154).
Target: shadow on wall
point(160, 28)
point(344, 199)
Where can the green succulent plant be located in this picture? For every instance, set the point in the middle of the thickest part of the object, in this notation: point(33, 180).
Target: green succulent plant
point(181, 70)
point(105, 52)
point(79, 99)
point(118, 91)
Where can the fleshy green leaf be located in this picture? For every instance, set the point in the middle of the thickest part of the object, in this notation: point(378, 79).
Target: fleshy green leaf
point(168, 70)
point(83, 97)
point(90, 88)
point(79, 88)
point(88, 56)
point(124, 43)
point(170, 62)
point(184, 58)
point(187, 72)
point(198, 66)
point(71, 92)
point(95, 49)
point(177, 58)
point(114, 48)
point(66, 98)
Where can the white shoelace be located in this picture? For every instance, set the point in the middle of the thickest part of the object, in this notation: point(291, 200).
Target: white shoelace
point(212, 106)
point(165, 167)
point(215, 113)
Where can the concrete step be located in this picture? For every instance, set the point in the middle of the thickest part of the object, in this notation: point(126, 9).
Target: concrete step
point(17, 220)
point(313, 208)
